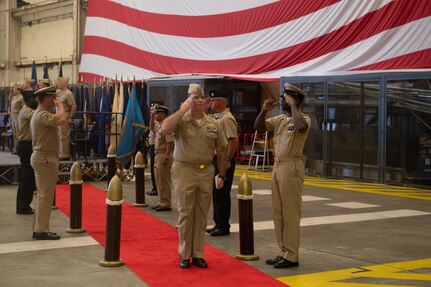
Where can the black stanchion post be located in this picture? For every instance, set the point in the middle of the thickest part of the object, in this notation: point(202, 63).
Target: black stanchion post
point(245, 208)
point(114, 201)
point(140, 180)
point(75, 183)
point(111, 163)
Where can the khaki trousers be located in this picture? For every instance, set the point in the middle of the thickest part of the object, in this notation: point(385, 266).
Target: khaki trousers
point(287, 183)
point(193, 188)
point(15, 131)
point(46, 171)
point(163, 179)
point(64, 141)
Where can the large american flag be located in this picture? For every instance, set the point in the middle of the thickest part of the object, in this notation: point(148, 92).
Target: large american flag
point(253, 39)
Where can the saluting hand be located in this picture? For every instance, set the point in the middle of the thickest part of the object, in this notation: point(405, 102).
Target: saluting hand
point(185, 106)
point(269, 105)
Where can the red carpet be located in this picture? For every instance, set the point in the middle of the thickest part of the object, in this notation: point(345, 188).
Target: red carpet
point(149, 247)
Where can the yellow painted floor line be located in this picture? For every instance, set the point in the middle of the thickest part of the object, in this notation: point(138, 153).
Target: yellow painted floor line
point(362, 276)
point(374, 188)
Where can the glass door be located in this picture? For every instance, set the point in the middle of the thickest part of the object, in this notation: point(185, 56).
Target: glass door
point(351, 128)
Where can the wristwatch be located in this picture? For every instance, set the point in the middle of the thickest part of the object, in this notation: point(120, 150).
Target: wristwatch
point(227, 159)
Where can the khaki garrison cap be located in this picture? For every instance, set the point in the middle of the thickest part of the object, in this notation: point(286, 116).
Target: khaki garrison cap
point(63, 79)
point(195, 89)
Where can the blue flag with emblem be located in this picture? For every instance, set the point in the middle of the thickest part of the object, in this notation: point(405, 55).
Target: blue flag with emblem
point(45, 70)
point(34, 75)
point(133, 129)
point(101, 148)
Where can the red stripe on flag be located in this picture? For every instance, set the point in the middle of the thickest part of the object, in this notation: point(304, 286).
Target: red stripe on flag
point(203, 26)
point(417, 60)
point(393, 15)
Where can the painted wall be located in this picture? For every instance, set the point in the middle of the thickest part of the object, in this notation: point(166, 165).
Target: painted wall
point(50, 39)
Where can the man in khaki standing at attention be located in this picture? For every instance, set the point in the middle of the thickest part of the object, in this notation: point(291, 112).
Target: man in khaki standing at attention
point(16, 104)
point(24, 149)
point(44, 159)
point(221, 197)
point(290, 133)
point(196, 135)
point(164, 146)
point(69, 106)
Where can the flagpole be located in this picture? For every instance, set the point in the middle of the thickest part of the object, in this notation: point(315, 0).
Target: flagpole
point(133, 123)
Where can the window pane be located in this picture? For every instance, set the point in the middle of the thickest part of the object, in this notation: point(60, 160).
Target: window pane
point(408, 131)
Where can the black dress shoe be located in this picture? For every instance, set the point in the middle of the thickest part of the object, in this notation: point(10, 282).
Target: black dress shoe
point(45, 236)
point(163, 208)
point(152, 193)
point(284, 263)
point(209, 230)
point(184, 263)
point(272, 261)
point(200, 262)
point(220, 232)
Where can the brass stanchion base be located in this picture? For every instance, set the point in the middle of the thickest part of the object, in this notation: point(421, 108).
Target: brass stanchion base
point(75, 230)
point(54, 207)
point(116, 263)
point(140, 204)
point(247, 257)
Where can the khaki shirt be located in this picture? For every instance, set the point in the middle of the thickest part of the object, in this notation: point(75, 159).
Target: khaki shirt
point(16, 104)
point(288, 142)
point(228, 124)
point(68, 100)
point(152, 137)
point(43, 127)
point(24, 118)
point(161, 142)
point(195, 143)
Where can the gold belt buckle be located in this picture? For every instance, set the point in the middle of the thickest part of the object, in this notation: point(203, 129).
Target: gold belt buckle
point(201, 166)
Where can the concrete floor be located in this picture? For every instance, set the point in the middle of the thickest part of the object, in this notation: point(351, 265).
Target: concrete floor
point(341, 229)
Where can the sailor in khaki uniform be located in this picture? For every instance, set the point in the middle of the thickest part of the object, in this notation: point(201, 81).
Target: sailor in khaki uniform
point(151, 151)
point(17, 102)
point(221, 197)
point(196, 135)
point(27, 184)
point(69, 105)
point(290, 133)
point(44, 159)
point(164, 146)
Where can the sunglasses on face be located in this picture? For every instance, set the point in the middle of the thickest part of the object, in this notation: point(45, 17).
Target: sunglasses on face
point(293, 94)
